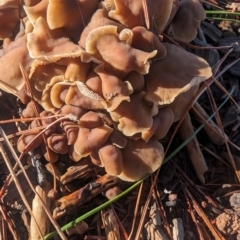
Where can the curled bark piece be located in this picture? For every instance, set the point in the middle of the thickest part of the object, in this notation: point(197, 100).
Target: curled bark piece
point(79, 170)
point(194, 151)
point(67, 203)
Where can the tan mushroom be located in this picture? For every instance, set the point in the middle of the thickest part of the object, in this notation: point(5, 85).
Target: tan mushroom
point(134, 117)
point(90, 120)
point(117, 139)
point(94, 156)
point(112, 159)
point(9, 44)
point(71, 130)
point(114, 90)
point(71, 15)
point(12, 81)
point(187, 19)
point(52, 45)
point(42, 75)
point(131, 13)
point(58, 143)
point(58, 93)
point(136, 80)
point(46, 95)
point(147, 41)
point(35, 11)
point(85, 99)
point(102, 41)
point(29, 138)
point(175, 74)
point(9, 17)
point(90, 139)
point(141, 158)
point(76, 111)
point(76, 69)
point(48, 154)
point(94, 82)
point(99, 18)
point(45, 122)
point(161, 125)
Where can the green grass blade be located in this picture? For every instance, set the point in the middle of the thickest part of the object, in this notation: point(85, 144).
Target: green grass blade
point(95, 210)
point(216, 12)
point(223, 19)
point(106, 204)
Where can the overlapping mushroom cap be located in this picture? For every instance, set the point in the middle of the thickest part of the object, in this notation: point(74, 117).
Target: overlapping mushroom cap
point(104, 63)
point(187, 19)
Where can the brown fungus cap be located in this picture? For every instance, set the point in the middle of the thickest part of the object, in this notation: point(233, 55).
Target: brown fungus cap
point(76, 98)
point(141, 158)
point(71, 130)
point(184, 98)
point(187, 19)
point(131, 12)
point(76, 69)
point(52, 45)
point(9, 17)
point(131, 121)
point(114, 90)
point(94, 82)
point(174, 74)
point(46, 95)
point(161, 125)
point(118, 139)
point(90, 139)
point(36, 11)
point(42, 74)
point(102, 41)
point(58, 93)
point(99, 18)
point(136, 80)
point(30, 3)
point(11, 79)
point(9, 44)
point(71, 15)
point(58, 143)
point(90, 120)
point(112, 159)
point(76, 111)
point(48, 154)
point(44, 122)
point(28, 112)
point(73, 155)
point(25, 139)
point(147, 41)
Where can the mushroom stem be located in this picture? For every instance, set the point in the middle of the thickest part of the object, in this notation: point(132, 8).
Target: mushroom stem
point(193, 148)
point(211, 129)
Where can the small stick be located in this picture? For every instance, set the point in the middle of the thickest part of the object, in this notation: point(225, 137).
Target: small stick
point(194, 151)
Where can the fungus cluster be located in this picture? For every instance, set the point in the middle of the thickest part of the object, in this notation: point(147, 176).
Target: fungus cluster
point(103, 62)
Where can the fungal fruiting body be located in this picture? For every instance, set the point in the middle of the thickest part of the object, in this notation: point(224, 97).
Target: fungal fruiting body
point(103, 62)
